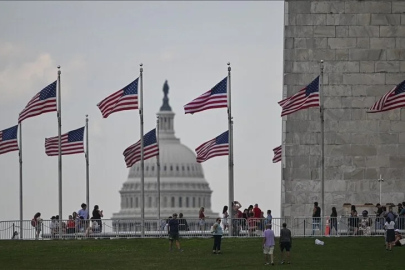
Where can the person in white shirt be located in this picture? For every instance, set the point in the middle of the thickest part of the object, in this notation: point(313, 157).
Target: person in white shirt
point(83, 215)
point(225, 216)
point(390, 238)
point(53, 226)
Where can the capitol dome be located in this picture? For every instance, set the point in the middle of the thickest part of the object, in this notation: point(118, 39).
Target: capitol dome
point(183, 188)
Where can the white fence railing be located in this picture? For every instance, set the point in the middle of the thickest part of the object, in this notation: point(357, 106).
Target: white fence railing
point(192, 228)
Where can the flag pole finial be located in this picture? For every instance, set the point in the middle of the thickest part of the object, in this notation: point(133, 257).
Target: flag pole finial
point(59, 72)
point(229, 66)
point(141, 65)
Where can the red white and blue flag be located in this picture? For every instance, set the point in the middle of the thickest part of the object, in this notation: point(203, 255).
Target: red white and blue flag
point(218, 146)
point(8, 140)
point(277, 154)
point(150, 149)
point(71, 143)
point(394, 99)
point(122, 100)
point(305, 98)
point(43, 102)
point(215, 98)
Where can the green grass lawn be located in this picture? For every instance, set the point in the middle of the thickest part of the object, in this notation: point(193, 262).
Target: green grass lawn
point(244, 253)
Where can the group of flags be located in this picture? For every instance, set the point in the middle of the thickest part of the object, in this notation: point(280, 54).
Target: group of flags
point(43, 102)
point(215, 98)
point(127, 99)
point(309, 97)
point(123, 100)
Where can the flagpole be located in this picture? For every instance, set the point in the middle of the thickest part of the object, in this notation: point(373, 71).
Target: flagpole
point(322, 118)
point(87, 165)
point(230, 156)
point(142, 154)
point(158, 169)
point(21, 183)
point(60, 155)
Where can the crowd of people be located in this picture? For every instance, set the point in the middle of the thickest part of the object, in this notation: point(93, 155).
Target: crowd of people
point(251, 219)
point(77, 222)
point(254, 220)
point(389, 221)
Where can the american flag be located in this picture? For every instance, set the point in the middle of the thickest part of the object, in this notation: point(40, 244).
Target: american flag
point(394, 99)
point(43, 102)
point(150, 149)
point(218, 146)
point(277, 154)
point(8, 140)
point(122, 100)
point(305, 98)
point(71, 143)
point(215, 98)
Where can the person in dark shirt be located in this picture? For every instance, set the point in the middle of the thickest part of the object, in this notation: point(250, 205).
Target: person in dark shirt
point(316, 217)
point(183, 226)
point(97, 215)
point(378, 219)
point(333, 221)
point(173, 230)
point(285, 243)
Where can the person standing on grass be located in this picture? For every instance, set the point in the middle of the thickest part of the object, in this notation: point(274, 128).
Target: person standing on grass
point(333, 221)
point(97, 215)
point(316, 217)
point(285, 243)
point(83, 214)
point(268, 244)
point(269, 217)
point(225, 216)
point(37, 223)
point(173, 230)
point(201, 217)
point(217, 233)
point(390, 238)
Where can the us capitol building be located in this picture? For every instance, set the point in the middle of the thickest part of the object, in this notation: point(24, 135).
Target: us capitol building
point(183, 188)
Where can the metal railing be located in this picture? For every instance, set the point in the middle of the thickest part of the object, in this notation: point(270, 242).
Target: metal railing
point(194, 228)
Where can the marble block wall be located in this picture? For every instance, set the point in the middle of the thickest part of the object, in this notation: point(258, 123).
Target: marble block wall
point(362, 44)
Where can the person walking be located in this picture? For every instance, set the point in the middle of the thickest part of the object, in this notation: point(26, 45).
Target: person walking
point(217, 233)
point(285, 243)
point(173, 230)
point(333, 221)
point(268, 244)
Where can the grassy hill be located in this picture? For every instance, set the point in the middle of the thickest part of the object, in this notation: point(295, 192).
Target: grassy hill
point(244, 253)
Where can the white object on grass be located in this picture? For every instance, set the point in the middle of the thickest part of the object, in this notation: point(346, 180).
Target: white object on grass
point(319, 242)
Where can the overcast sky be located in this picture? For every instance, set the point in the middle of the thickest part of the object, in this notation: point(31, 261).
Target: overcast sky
point(99, 46)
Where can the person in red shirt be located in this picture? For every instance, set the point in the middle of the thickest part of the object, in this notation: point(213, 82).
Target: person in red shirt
point(71, 225)
point(258, 216)
point(201, 217)
point(257, 211)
